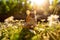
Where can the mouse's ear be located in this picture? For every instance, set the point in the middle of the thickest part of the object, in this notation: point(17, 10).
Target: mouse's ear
point(34, 11)
point(28, 12)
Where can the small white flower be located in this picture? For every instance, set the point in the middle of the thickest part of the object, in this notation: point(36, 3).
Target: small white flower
point(15, 27)
point(22, 20)
point(23, 3)
point(28, 1)
point(56, 16)
point(9, 19)
point(9, 25)
point(32, 31)
point(43, 20)
point(41, 29)
point(16, 20)
point(53, 19)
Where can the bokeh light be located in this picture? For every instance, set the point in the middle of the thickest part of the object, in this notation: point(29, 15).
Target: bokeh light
point(37, 2)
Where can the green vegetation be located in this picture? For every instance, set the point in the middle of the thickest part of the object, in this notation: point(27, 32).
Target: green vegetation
point(17, 31)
